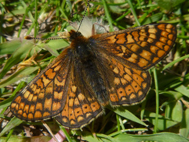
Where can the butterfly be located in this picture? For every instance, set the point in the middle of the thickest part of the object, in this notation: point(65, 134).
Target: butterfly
point(95, 71)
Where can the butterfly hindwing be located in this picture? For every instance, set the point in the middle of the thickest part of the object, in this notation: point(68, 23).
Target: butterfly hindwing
point(130, 85)
point(80, 108)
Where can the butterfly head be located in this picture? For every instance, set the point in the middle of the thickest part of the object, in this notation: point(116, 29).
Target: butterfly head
point(74, 35)
point(79, 44)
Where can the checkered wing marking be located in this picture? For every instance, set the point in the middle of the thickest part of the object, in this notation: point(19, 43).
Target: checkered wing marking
point(130, 85)
point(140, 47)
point(80, 109)
point(46, 95)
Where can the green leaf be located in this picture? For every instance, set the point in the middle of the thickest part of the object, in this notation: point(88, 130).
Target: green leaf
point(127, 114)
point(160, 137)
point(13, 123)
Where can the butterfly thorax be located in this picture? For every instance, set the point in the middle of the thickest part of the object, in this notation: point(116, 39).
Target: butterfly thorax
point(80, 47)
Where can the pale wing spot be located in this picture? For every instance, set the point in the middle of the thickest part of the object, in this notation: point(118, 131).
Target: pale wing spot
point(130, 39)
point(132, 60)
point(143, 33)
point(168, 30)
point(30, 97)
point(39, 106)
point(123, 81)
point(111, 39)
point(144, 44)
point(144, 75)
point(21, 105)
point(65, 120)
point(32, 108)
point(140, 93)
point(116, 81)
point(74, 88)
point(123, 49)
point(134, 56)
point(13, 105)
point(71, 102)
point(128, 71)
point(26, 94)
point(164, 34)
point(80, 118)
point(116, 70)
point(26, 108)
point(81, 97)
point(141, 38)
point(45, 80)
point(132, 96)
point(152, 31)
point(58, 95)
point(152, 36)
point(120, 54)
point(72, 122)
point(48, 103)
point(76, 101)
point(88, 115)
point(150, 40)
point(146, 54)
point(56, 106)
point(127, 77)
point(144, 85)
point(163, 39)
point(57, 68)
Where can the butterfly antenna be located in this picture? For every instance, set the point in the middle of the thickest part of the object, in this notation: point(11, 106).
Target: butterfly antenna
point(84, 15)
point(51, 38)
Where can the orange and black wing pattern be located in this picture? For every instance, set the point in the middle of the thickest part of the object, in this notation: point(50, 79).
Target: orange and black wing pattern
point(93, 72)
point(46, 94)
point(140, 47)
point(130, 85)
point(81, 107)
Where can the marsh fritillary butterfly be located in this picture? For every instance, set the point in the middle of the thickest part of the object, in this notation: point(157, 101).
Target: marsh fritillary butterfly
point(109, 68)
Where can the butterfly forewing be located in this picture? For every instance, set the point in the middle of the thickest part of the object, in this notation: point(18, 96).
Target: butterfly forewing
point(46, 95)
point(140, 47)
